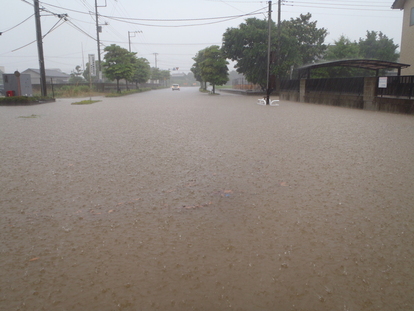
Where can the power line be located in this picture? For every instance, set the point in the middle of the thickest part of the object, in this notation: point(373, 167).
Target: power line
point(122, 20)
point(17, 24)
point(335, 6)
point(50, 30)
point(183, 19)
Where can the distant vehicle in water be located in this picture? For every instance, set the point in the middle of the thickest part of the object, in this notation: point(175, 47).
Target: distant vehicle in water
point(175, 87)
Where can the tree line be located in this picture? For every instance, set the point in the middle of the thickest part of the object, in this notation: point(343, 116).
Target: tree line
point(120, 64)
point(294, 43)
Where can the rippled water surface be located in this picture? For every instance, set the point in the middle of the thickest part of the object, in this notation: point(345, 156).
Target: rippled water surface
point(185, 201)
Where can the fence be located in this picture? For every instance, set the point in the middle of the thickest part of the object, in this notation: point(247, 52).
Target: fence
point(290, 85)
point(336, 85)
point(243, 84)
point(397, 86)
point(362, 93)
point(400, 87)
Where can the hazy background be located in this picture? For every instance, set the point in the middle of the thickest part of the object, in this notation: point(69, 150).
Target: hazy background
point(176, 30)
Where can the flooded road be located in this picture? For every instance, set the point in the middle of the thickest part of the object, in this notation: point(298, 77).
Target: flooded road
point(186, 201)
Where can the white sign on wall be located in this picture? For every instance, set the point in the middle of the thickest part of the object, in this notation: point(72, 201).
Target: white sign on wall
point(382, 82)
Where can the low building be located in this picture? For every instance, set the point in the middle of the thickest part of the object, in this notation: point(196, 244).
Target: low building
point(54, 76)
point(407, 37)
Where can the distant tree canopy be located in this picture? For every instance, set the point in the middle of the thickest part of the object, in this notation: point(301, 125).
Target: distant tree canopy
point(211, 66)
point(119, 64)
point(76, 75)
point(301, 42)
point(142, 71)
point(376, 45)
point(158, 74)
point(86, 72)
point(196, 70)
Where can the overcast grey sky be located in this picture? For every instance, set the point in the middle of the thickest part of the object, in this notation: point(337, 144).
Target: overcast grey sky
point(175, 30)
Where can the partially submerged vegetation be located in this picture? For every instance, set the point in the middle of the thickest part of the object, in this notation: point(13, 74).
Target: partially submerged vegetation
point(24, 100)
point(86, 102)
point(67, 91)
point(30, 117)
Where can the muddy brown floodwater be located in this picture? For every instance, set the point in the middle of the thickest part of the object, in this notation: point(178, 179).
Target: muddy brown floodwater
point(186, 201)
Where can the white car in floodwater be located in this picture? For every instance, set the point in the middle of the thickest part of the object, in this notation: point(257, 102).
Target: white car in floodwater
point(175, 87)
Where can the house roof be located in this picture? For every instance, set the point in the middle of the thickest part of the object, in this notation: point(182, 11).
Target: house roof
point(370, 64)
point(51, 73)
point(398, 4)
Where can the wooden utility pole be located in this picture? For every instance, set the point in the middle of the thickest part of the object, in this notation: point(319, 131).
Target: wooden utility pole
point(279, 39)
point(269, 39)
point(39, 38)
point(129, 37)
point(155, 59)
point(98, 30)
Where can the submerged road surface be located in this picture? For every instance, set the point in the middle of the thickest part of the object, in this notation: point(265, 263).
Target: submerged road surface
point(186, 201)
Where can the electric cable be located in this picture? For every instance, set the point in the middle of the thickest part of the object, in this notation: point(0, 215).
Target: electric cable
point(1, 32)
point(50, 30)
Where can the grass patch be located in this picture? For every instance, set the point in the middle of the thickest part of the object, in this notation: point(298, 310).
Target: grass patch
point(30, 117)
point(24, 100)
point(86, 102)
point(68, 91)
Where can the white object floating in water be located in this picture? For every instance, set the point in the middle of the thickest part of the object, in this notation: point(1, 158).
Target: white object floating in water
point(262, 101)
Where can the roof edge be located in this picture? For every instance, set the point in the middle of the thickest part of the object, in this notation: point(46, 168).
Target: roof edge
point(398, 4)
point(371, 64)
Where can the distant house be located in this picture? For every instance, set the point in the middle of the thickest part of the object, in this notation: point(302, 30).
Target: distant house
point(407, 37)
point(54, 76)
point(1, 75)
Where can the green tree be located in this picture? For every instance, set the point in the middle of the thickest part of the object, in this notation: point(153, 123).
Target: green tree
point(214, 68)
point(86, 72)
point(142, 71)
point(376, 45)
point(301, 42)
point(119, 63)
point(195, 69)
point(343, 48)
point(165, 76)
point(309, 39)
point(76, 75)
point(247, 46)
point(160, 75)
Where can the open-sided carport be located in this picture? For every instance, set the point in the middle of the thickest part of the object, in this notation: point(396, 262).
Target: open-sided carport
point(370, 64)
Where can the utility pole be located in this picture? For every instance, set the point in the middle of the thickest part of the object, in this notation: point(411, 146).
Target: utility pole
point(98, 30)
point(279, 39)
point(129, 37)
point(155, 59)
point(40, 49)
point(269, 90)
